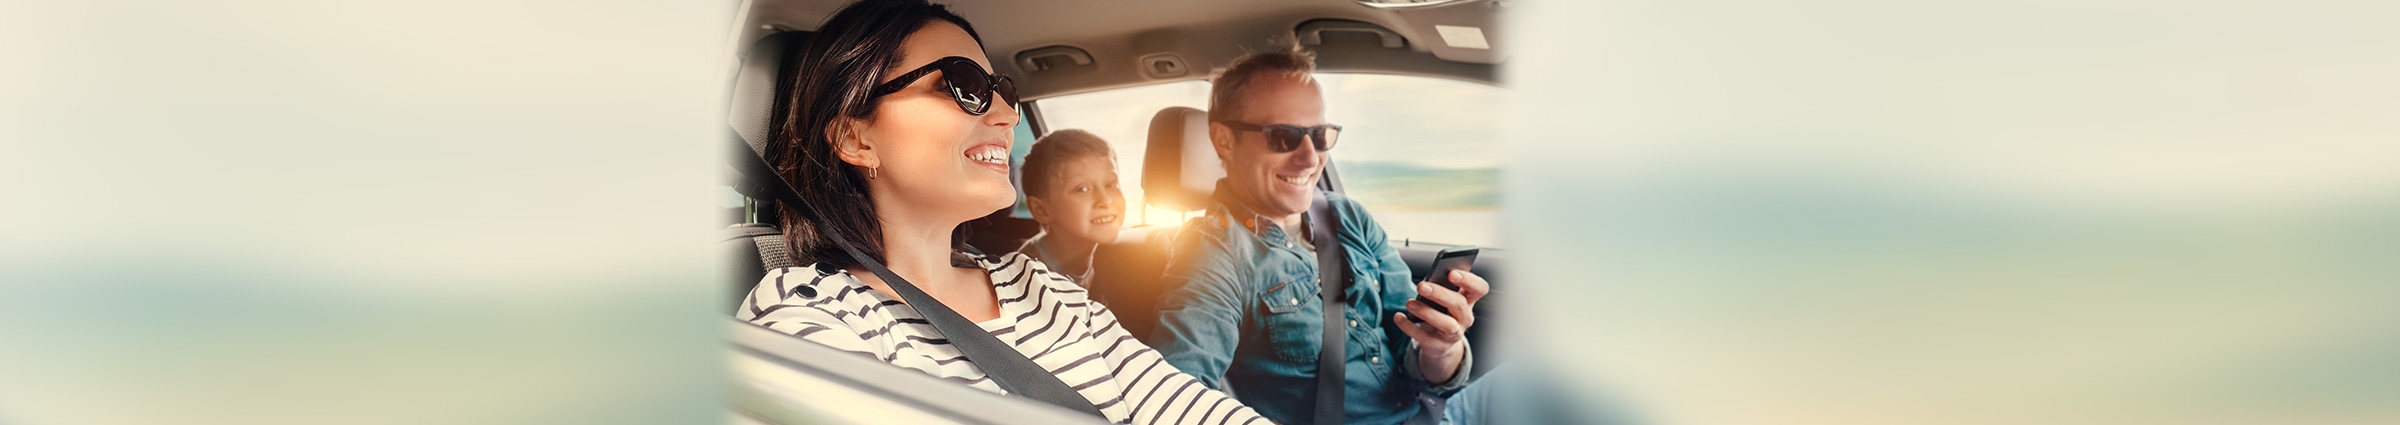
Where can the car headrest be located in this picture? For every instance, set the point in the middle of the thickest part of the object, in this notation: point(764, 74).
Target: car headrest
point(760, 87)
point(1180, 168)
point(760, 84)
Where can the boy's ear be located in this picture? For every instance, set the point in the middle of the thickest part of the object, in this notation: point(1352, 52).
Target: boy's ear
point(1040, 211)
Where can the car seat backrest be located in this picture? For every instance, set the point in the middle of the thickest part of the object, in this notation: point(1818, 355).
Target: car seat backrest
point(760, 88)
point(1179, 167)
point(1179, 171)
point(751, 249)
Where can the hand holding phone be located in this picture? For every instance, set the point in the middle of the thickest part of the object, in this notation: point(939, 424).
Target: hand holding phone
point(1455, 258)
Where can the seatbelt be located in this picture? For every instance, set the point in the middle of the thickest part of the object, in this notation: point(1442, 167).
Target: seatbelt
point(1007, 367)
point(1333, 278)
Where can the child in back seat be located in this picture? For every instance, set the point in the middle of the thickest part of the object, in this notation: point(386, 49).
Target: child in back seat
point(1071, 189)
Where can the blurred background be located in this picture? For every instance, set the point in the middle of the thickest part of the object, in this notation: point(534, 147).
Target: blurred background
point(2026, 212)
point(287, 212)
point(1731, 212)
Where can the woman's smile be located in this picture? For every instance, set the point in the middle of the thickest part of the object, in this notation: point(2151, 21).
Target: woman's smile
point(991, 154)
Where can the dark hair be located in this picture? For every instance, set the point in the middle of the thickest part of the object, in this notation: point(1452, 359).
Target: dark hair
point(838, 70)
point(1054, 150)
point(1225, 91)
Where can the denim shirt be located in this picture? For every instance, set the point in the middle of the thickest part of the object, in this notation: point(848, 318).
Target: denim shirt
point(1245, 317)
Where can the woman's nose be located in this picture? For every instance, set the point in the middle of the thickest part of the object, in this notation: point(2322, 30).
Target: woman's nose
point(1002, 114)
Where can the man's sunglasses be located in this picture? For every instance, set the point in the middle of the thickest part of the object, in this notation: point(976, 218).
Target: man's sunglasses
point(1286, 137)
point(964, 80)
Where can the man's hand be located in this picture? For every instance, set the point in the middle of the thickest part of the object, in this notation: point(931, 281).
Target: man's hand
point(1442, 339)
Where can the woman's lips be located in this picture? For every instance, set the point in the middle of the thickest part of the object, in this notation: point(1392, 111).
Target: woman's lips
point(992, 155)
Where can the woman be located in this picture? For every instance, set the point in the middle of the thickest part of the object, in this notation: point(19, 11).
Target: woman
point(1071, 189)
point(898, 136)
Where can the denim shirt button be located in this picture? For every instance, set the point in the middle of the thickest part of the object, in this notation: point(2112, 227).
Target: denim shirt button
point(1295, 300)
point(1375, 360)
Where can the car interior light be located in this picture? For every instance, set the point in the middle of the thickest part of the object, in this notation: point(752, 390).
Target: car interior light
point(1462, 37)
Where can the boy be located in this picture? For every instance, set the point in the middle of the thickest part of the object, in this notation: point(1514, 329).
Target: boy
point(1071, 189)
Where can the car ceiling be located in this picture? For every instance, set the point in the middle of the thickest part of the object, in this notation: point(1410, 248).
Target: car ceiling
point(1125, 38)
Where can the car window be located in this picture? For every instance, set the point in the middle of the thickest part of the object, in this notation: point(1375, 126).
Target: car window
point(1418, 152)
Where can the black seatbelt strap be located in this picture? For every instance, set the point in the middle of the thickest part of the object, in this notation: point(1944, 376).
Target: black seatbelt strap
point(1007, 367)
point(1333, 278)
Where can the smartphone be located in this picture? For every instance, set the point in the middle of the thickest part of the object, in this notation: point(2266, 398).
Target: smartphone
point(1455, 258)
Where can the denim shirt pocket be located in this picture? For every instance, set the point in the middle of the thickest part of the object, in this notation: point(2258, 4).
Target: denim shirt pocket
point(1291, 324)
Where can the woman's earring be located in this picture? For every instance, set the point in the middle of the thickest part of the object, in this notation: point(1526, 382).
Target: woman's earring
point(870, 173)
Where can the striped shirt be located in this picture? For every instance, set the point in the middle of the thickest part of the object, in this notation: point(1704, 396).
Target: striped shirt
point(1043, 315)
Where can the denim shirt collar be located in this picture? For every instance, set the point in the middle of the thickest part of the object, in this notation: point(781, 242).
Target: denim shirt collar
point(1260, 225)
point(1273, 236)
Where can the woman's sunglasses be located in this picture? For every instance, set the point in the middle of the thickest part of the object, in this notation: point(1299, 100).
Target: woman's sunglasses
point(1286, 137)
point(964, 80)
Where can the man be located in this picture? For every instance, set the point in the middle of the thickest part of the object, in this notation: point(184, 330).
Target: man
point(1245, 315)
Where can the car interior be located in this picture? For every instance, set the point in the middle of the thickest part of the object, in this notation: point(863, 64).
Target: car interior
point(1056, 48)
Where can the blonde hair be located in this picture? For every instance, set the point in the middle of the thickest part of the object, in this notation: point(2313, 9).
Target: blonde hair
point(1288, 61)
